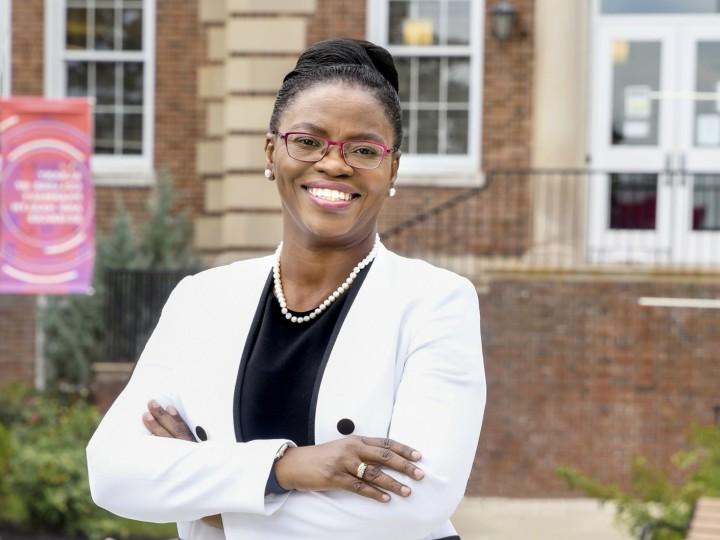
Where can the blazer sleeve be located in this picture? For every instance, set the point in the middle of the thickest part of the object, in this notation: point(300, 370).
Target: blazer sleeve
point(137, 475)
point(438, 411)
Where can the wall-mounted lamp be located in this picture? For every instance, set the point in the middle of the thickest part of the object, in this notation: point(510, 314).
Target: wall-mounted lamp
point(502, 19)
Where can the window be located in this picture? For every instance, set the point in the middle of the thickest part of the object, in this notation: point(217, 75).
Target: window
point(437, 45)
point(105, 49)
point(5, 48)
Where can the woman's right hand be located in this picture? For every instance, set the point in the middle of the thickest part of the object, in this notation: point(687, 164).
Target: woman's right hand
point(334, 465)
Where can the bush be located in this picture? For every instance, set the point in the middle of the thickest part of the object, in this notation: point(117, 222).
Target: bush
point(42, 458)
point(653, 495)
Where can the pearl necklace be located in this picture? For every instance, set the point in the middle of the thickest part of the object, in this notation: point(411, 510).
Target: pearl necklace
point(330, 299)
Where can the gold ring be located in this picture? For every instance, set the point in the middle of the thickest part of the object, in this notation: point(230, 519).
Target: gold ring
point(361, 470)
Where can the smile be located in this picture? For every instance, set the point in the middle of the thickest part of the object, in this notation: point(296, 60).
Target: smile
point(330, 194)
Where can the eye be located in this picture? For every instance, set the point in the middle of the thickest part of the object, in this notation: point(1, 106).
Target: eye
point(306, 140)
point(366, 150)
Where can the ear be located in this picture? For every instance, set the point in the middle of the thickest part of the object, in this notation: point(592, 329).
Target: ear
point(269, 149)
point(394, 165)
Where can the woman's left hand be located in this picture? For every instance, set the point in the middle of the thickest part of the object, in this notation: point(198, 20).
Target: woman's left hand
point(168, 423)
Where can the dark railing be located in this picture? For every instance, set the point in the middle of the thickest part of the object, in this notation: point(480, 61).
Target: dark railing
point(568, 219)
point(534, 220)
point(135, 299)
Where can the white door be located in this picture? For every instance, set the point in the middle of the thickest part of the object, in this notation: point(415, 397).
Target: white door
point(697, 230)
point(656, 140)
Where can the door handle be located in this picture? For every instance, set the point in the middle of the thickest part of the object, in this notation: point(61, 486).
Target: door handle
point(668, 169)
point(682, 171)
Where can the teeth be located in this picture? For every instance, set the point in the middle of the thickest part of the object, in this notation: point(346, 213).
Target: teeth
point(329, 194)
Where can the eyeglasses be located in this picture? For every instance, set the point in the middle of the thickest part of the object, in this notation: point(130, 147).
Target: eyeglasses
point(312, 148)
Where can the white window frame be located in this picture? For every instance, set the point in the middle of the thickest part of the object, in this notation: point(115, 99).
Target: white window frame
point(124, 170)
point(442, 169)
point(5, 48)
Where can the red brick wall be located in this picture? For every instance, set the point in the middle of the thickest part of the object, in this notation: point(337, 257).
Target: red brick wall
point(17, 338)
point(337, 18)
point(580, 375)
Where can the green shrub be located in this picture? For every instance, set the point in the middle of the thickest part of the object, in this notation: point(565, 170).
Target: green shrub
point(42, 450)
point(653, 495)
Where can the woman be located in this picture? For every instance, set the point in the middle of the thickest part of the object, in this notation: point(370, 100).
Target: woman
point(336, 389)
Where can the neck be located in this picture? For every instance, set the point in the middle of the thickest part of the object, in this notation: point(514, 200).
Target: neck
point(310, 271)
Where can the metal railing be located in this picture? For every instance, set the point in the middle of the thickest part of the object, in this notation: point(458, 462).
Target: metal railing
point(556, 220)
point(135, 299)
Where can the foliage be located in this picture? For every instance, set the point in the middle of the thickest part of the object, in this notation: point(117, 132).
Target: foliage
point(653, 495)
point(73, 325)
point(45, 473)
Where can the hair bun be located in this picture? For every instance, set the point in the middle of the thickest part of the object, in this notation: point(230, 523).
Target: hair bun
point(346, 51)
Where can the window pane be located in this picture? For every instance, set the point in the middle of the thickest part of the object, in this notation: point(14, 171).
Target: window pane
point(398, 12)
point(132, 29)
point(133, 83)
point(105, 29)
point(633, 198)
point(458, 80)
point(132, 134)
point(403, 68)
point(427, 135)
point(707, 109)
point(457, 130)
point(104, 133)
point(76, 29)
point(406, 143)
point(414, 22)
point(77, 79)
point(105, 83)
point(458, 31)
point(706, 203)
point(429, 79)
point(660, 6)
point(636, 78)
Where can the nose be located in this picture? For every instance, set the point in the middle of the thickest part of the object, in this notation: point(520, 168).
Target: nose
point(333, 162)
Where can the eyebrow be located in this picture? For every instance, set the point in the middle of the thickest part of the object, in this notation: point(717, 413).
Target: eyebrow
point(366, 135)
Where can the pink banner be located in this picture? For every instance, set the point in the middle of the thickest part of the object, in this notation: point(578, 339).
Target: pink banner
point(47, 201)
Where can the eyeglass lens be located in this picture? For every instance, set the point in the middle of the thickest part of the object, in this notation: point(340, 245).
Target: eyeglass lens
point(360, 154)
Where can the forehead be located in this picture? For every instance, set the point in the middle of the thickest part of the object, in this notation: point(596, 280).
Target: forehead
point(339, 109)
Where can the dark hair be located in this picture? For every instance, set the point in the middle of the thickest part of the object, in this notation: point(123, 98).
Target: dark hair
point(351, 61)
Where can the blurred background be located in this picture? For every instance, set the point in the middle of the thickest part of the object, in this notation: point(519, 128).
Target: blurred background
point(562, 154)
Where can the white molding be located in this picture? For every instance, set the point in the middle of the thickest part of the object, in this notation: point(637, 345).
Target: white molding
point(461, 170)
point(130, 170)
point(5, 48)
point(693, 303)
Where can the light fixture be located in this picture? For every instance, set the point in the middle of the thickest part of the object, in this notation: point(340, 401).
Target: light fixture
point(502, 20)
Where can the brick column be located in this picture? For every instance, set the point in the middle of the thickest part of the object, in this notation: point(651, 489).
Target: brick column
point(251, 45)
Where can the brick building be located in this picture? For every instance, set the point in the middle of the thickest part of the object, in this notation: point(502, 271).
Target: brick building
point(570, 169)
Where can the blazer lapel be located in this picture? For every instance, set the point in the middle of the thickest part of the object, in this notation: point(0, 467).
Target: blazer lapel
point(356, 379)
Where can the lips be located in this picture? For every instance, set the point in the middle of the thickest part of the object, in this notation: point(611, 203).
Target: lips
point(330, 194)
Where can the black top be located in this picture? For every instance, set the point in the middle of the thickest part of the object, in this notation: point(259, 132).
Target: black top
point(283, 368)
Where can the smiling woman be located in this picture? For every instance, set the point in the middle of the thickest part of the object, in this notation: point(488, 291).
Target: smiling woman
point(333, 390)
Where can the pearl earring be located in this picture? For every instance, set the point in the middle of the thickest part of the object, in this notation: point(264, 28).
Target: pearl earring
point(392, 191)
point(269, 175)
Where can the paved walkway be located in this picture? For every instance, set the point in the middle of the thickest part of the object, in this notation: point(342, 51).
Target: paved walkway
point(480, 518)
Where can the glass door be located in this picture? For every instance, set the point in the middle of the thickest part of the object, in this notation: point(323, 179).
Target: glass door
point(697, 230)
point(632, 149)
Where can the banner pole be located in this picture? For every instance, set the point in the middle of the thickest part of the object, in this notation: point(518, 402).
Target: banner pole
point(40, 365)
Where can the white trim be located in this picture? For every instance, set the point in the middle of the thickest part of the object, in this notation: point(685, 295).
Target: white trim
point(5, 48)
point(697, 303)
point(125, 170)
point(442, 169)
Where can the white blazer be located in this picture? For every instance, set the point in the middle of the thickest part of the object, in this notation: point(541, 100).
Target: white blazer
point(406, 363)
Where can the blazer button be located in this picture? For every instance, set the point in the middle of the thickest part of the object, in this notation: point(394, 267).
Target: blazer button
point(200, 432)
point(345, 426)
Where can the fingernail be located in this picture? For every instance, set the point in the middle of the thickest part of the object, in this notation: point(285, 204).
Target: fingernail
point(171, 410)
point(147, 416)
point(386, 498)
point(154, 403)
point(419, 474)
point(405, 491)
point(416, 455)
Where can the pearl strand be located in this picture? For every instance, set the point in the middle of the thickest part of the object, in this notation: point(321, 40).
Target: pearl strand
point(344, 286)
